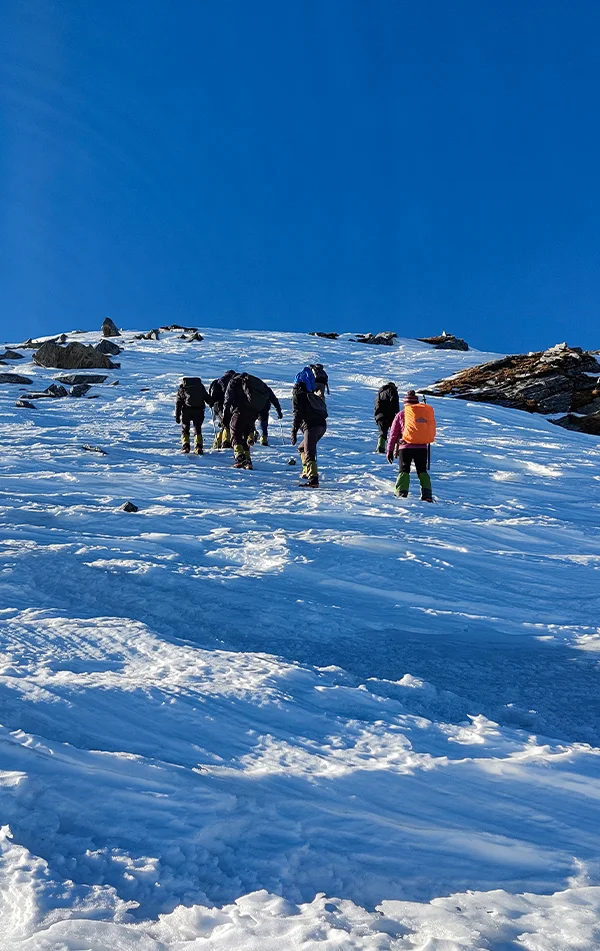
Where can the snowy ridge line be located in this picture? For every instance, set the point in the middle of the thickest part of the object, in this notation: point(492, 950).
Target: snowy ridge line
point(245, 718)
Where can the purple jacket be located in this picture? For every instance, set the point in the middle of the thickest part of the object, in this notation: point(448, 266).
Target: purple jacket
point(395, 436)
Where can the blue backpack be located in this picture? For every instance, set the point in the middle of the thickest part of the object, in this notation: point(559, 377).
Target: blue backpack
point(307, 377)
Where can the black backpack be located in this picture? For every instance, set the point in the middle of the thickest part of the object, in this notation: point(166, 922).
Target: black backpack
point(317, 405)
point(193, 392)
point(257, 392)
point(321, 378)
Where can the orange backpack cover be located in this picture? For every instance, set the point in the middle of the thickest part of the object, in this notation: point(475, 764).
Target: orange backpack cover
point(419, 423)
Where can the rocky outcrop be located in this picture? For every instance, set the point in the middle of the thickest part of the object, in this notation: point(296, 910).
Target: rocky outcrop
point(150, 335)
point(108, 347)
point(561, 379)
point(385, 338)
point(24, 404)
point(79, 389)
point(109, 328)
point(11, 355)
point(187, 330)
point(445, 341)
point(321, 333)
point(195, 336)
point(582, 424)
point(52, 392)
point(15, 378)
point(74, 379)
point(73, 356)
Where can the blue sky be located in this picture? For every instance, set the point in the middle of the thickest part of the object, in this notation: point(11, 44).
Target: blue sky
point(313, 164)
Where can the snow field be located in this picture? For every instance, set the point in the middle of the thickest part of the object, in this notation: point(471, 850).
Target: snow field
point(249, 716)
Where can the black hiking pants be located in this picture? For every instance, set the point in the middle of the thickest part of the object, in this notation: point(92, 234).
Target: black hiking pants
point(241, 427)
point(308, 447)
point(410, 455)
point(191, 417)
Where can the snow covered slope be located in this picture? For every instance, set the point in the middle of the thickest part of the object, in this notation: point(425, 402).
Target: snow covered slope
point(252, 717)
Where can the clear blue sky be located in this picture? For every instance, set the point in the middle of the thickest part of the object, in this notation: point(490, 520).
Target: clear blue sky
point(302, 164)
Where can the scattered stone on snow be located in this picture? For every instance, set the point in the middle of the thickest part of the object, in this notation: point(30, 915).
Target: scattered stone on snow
point(22, 403)
point(73, 356)
point(195, 336)
point(561, 379)
point(15, 378)
point(581, 424)
point(54, 391)
point(109, 328)
point(114, 383)
point(11, 355)
point(445, 341)
point(291, 461)
point(385, 338)
point(189, 330)
point(107, 346)
point(72, 379)
point(94, 396)
point(97, 449)
point(129, 507)
point(80, 389)
point(321, 333)
point(150, 335)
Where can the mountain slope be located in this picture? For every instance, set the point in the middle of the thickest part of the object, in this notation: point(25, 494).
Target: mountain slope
point(245, 690)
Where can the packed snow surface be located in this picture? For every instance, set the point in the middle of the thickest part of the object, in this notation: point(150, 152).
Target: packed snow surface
point(255, 717)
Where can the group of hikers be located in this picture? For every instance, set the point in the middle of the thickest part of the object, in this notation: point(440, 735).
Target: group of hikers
point(240, 401)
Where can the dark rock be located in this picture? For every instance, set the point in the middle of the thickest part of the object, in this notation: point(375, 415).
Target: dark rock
point(15, 378)
point(80, 389)
point(107, 346)
point(189, 330)
point(386, 338)
point(150, 335)
point(97, 449)
point(62, 338)
point(11, 355)
point(94, 396)
point(445, 342)
point(581, 424)
point(54, 391)
point(73, 379)
point(129, 507)
point(321, 333)
point(109, 328)
point(114, 383)
point(291, 461)
point(144, 389)
point(24, 404)
point(552, 381)
point(195, 336)
point(75, 356)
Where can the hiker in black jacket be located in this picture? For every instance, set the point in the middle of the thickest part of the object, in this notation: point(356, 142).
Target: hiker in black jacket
point(217, 390)
point(309, 415)
point(190, 403)
point(387, 404)
point(245, 399)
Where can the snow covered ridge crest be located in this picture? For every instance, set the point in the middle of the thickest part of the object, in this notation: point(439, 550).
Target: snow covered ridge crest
point(242, 718)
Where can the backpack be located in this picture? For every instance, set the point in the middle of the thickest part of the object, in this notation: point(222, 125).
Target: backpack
point(317, 405)
point(321, 378)
point(193, 392)
point(256, 391)
point(307, 377)
point(419, 423)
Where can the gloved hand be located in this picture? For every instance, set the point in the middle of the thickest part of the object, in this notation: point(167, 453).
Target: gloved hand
point(390, 457)
point(177, 420)
point(293, 439)
point(280, 414)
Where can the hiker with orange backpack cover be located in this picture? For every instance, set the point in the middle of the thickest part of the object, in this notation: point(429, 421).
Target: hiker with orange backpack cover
point(411, 433)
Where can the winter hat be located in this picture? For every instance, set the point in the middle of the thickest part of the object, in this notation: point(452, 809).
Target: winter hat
point(411, 397)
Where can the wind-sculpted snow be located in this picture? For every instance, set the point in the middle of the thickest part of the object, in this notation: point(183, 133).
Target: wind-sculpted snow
point(250, 717)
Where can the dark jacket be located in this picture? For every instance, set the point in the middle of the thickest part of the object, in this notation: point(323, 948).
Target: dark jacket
point(272, 401)
point(387, 404)
point(217, 391)
point(182, 409)
point(236, 401)
point(304, 416)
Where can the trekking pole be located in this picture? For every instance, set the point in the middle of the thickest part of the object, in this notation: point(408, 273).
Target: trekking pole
point(212, 413)
point(282, 436)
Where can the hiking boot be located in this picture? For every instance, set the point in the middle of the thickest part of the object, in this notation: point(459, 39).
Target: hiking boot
point(426, 495)
point(381, 444)
point(264, 441)
point(312, 483)
point(248, 464)
point(186, 448)
point(239, 464)
point(401, 493)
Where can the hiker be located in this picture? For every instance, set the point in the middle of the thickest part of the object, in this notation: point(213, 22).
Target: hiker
point(411, 432)
point(310, 415)
point(387, 405)
point(245, 398)
point(263, 418)
point(217, 390)
point(190, 403)
point(321, 379)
